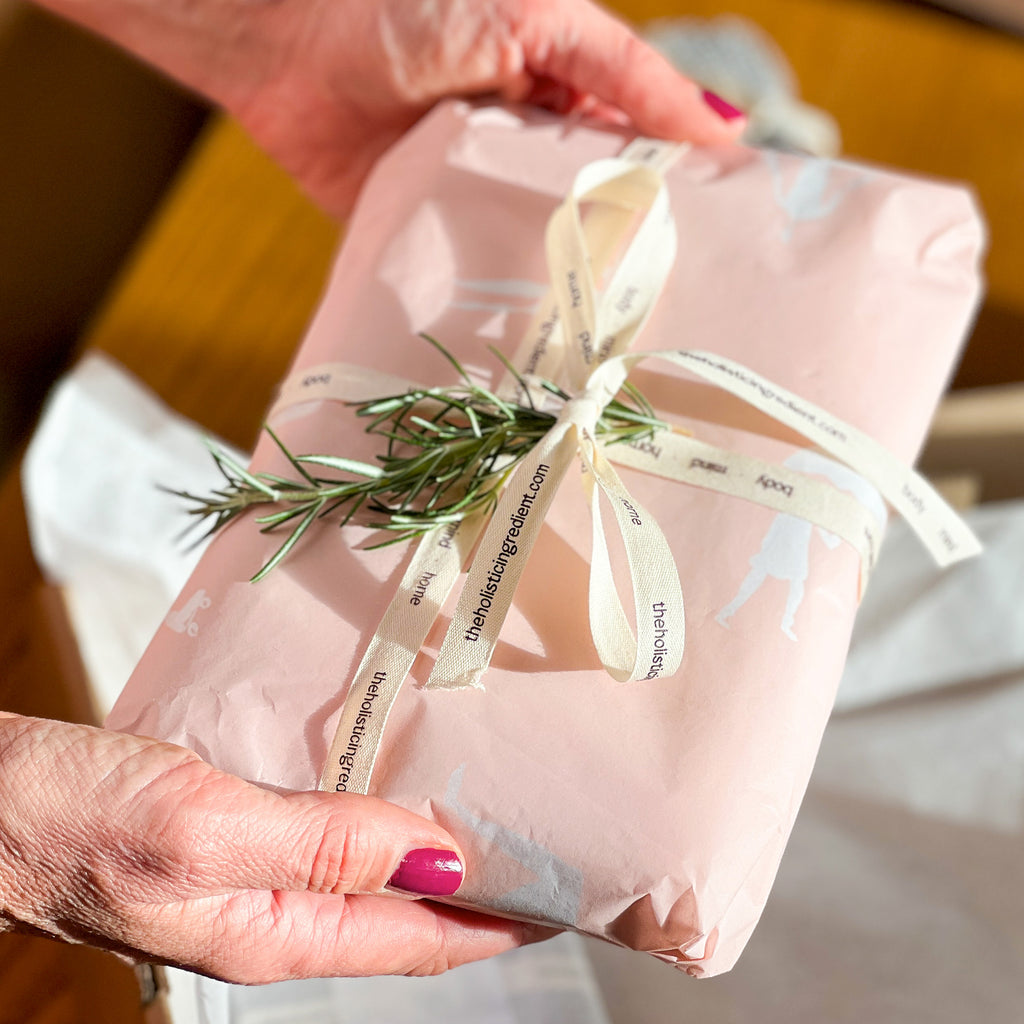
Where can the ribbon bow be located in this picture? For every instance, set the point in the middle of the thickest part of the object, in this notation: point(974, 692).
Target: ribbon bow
point(583, 335)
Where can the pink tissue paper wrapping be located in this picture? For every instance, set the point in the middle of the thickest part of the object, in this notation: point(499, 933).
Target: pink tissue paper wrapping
point(653, 813)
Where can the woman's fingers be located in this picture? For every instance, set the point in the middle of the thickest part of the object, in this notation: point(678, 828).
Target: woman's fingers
point(258, 886)
point(585, 48)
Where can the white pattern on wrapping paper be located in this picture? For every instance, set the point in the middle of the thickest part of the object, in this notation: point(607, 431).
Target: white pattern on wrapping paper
point(183, 619)
point(786, 548)
point(556, 894)
point(498, 297)
point(499, 292)
point(807, 198)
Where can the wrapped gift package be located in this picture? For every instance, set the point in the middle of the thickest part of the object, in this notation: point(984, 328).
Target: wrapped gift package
point(654, 812)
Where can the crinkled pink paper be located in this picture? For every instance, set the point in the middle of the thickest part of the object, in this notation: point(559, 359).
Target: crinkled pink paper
point(651, 813)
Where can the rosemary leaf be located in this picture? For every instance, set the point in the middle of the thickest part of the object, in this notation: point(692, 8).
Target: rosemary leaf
point(342, 464)
point(292, 540)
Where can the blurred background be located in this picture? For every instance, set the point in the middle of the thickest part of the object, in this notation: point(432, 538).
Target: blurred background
point(135, 220)
point(90, 141)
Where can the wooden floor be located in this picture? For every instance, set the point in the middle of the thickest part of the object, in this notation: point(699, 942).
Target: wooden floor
point(42, 984)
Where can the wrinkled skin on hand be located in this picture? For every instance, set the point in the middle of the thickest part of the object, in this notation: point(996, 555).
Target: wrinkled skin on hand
point(141, 848)
point(325, 86)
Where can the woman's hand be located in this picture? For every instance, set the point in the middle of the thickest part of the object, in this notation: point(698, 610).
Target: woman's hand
point(141, 848)
point(325, 86)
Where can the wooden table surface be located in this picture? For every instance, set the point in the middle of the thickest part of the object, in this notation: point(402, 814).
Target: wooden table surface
point(210, 308)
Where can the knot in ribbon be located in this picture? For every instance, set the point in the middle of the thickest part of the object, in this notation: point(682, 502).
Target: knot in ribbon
point(583, 412)
point(586, 408)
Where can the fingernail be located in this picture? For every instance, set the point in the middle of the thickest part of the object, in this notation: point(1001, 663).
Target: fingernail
point(428, 873)
point(721, 107)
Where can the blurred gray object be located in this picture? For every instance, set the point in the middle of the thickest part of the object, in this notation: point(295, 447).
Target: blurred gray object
point(741, 63)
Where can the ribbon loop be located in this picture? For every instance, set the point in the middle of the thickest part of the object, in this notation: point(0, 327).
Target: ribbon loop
point(595, 329)
point(656, 647)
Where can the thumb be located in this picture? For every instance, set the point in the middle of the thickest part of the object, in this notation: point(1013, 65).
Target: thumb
point(347, 843)
point(233, 835)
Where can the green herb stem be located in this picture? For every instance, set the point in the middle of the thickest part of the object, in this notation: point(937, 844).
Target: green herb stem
point(449, 451)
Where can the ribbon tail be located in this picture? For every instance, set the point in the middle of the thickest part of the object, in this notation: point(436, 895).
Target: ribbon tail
point(432, 572)
point(946, 536)
point(686, 460)
point(499, 563)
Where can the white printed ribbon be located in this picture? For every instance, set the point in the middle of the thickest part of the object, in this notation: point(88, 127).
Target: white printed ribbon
point(582, 336)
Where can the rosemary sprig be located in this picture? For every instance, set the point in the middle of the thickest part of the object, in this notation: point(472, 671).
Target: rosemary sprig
point(448, 452)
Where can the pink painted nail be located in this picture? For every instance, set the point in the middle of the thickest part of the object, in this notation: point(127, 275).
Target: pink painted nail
point(428, 873)
point(723, 109)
